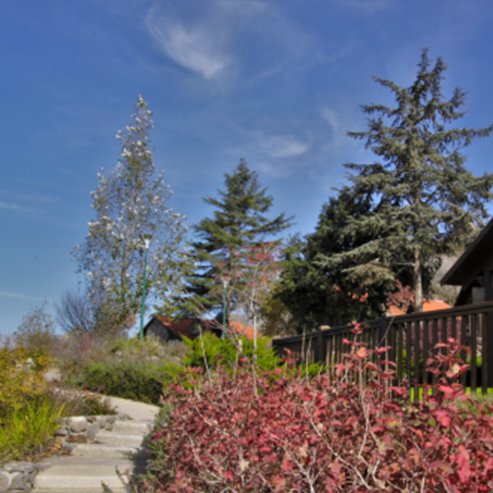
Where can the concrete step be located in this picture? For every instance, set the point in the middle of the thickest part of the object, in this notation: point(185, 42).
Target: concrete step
point(104, 450)
point(120, 439)
point(85, 475)
point(128, 426)
point(72, 474)
point(114, 489)
point(92, 464)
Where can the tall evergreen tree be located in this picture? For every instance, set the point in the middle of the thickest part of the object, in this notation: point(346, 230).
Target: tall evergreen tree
point(239, 225)
point(318, 295)
point(423, 200)
point(131, 208)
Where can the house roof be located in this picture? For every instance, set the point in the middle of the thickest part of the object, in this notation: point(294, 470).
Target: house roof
point(428, 306)
point(186, 327)
point(240, 329)
point(471, 258)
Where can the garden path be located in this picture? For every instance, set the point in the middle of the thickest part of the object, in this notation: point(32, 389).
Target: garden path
point(92, 464)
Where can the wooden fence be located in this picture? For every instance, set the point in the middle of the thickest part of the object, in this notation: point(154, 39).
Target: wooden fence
point(411, 340)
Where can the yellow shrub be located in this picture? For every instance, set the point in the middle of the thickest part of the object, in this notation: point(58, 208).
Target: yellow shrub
point(21, 378)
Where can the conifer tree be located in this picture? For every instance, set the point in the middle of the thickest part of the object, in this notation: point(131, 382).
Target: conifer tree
point(238, 226)
point(132, 214)
point(423, 200)
point(317, 295)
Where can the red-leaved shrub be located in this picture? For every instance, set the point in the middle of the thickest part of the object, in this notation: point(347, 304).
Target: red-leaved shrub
point(352, 432)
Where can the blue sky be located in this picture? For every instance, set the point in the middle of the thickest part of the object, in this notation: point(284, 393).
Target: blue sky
point(277, 82)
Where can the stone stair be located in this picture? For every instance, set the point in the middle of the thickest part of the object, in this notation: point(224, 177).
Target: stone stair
point(92, 464)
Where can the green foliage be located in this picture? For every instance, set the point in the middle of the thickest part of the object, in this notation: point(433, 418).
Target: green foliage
point(28, 412)
point(21, 378)
point(317, 294)
point(29, 428)
point(122, 367)
point(149, 348)
point(238, 226)
point(215, 352)
point(275, 317)
point(82, 404)
point(77, 349)
point(397, 215)
point(421, 199)
point(128, 379)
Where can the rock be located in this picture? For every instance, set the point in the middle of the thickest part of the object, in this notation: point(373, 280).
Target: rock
point(20, 466)
point(77, 424)
point(110, 422)
point(53, 375)
point(62, 431)
point(92, 431)
point(19, 481)
point(4, 482)
point(77, 438)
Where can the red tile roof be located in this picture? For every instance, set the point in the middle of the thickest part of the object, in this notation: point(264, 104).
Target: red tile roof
point(185, 327)
point(241, 329)
point(428, 306)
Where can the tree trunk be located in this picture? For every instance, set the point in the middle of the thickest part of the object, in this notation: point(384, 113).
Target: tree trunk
point(418, 280)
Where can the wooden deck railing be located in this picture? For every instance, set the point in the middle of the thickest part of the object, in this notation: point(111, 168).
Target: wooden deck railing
point(411, 340)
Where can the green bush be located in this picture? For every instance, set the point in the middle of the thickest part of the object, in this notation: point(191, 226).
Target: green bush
point(138, 381)
point(30, 428)
point(148, 349)
point(21, 378)
point(78, 403)
point(212, 351)
point(78, 351)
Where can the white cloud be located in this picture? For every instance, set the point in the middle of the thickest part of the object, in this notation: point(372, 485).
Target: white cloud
point(330, 116)
point(15, 207)
point(369, 6)
point(199, 49)
point(18, 296)
point(277, 169)
point(337, 128)
point(283, 146)
point(28, 197)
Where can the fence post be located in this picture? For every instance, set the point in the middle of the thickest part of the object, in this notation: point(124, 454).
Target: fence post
point(381, 334)
point(488, 350)
point(320, 347)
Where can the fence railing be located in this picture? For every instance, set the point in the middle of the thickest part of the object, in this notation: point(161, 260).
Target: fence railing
point(411, 340)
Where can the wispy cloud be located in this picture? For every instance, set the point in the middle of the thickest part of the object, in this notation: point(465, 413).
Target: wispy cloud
point(197, 48)
point(18, 296)
point(282, 146)
point(29, 197)
point(278, 168)
point(25, 202)
point(279, 154)
point(369, 6)
point(11, 206)
point(336, 127)
point(212, 44)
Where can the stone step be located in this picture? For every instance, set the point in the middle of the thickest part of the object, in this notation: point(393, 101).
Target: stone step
point(82, 490)
point(92, 464)
point(72, 474)
point(128, 426)
point(121, 439)
point(104, 450)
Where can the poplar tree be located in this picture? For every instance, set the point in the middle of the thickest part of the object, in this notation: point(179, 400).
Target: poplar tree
point(238, 226)
point(132, 216)
point(423, 200)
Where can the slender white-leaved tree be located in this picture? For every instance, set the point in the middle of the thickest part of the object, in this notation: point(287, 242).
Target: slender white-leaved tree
point(134, 228)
